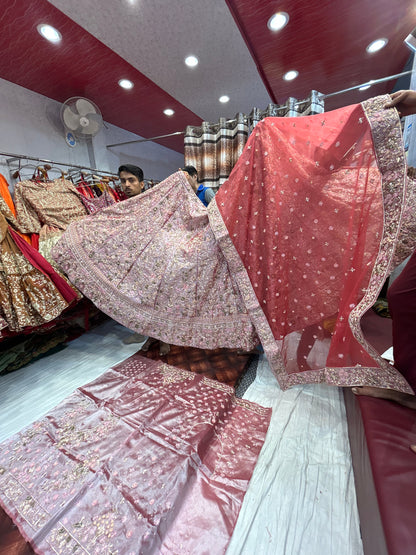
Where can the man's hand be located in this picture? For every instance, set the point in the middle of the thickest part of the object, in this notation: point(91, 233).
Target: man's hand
point(404, 101)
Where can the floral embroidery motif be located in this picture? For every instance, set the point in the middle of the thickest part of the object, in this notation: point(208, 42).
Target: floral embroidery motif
point(173, 375)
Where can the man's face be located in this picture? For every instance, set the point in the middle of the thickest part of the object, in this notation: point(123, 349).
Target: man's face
point(193, 180)
point(130, 184)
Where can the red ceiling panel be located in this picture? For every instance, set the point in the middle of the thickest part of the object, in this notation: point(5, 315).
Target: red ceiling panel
point(325, 41)
point(82, 66)
point(322, 41)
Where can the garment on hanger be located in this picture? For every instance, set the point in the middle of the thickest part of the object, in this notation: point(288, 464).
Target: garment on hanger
point(47, 208)
point(31, 293)
point(5, 194)
point(152, 263)
point(308, 224)
point(98, 203)
point(10, 212)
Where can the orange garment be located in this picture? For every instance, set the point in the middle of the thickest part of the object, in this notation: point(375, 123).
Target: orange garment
point(5, 193)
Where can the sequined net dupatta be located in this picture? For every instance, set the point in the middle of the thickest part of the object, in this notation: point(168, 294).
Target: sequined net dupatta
point(308, 222)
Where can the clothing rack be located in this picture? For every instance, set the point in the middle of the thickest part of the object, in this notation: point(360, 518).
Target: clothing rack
point(11, 158)
point(321, 96)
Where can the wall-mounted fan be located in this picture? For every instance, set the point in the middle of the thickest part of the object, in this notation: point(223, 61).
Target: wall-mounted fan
point(81, 117)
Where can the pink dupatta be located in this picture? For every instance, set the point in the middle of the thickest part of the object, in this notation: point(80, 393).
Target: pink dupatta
point(308, 222)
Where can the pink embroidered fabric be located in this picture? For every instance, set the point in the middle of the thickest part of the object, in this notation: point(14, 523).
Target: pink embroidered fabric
point(299, 242)
point(309, 221)
point(406, 242)
point(97, 203)
point(152, 263)
point(146, 459)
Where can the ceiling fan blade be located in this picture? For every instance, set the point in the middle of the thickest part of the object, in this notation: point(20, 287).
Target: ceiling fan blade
point(84, 107)
point(71, 119)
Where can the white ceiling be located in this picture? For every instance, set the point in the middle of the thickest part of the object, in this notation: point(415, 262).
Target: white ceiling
point(155, 37)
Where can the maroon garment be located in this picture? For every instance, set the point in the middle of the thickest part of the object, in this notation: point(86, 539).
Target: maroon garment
point(402, 305)
point(38, 261)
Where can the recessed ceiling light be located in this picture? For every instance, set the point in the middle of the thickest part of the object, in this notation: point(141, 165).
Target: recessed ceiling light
point(376, 45)
point(168, 112)
point(224, 98)
point(49, 33)
point(290, 75)
point(278, 21)
point(126, 84)
point(191, 61)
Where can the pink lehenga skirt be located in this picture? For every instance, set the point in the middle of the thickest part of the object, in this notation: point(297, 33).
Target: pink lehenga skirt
point(152, 263)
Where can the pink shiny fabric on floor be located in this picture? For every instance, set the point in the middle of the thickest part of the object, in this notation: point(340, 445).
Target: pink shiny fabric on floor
point(308, 222)
point(145, 459)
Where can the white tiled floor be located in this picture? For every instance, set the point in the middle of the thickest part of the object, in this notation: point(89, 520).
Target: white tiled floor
point(301, 499)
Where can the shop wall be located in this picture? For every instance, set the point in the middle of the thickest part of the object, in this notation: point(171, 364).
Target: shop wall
point(30, 125)
point(156, 161)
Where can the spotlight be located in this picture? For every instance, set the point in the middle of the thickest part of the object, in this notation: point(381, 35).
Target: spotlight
point(376, 45)
point(126, 84)
point(49, 33)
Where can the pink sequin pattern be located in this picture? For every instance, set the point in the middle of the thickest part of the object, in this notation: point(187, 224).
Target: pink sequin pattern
point(321, 199)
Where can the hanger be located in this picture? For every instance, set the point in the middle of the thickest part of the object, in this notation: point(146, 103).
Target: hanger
point(17, 173)
point(48, 168)
point(40, 174)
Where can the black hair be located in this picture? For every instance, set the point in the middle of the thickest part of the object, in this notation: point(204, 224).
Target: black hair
point(135, 170)
point(191, 170)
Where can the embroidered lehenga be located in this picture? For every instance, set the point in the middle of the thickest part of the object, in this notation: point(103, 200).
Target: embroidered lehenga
point(152, 263)
point(47, 208)
point(31, 292)
point(299, 242)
